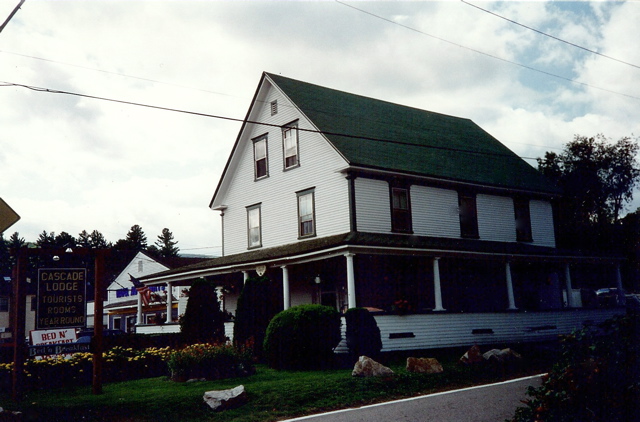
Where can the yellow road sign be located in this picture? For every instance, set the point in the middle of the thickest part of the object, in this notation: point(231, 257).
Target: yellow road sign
point(8, 217)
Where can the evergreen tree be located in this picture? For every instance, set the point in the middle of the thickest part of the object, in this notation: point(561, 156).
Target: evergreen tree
point(203, 320)
point(65, 240)
point(257, 305)
point(15, 241)
point(84, 239)
point(98, 241)
point(136, 240)
point(5, 257)
point(166, 245)
point(46, 240)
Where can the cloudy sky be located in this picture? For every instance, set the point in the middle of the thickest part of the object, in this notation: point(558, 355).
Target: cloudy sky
point(72, 163)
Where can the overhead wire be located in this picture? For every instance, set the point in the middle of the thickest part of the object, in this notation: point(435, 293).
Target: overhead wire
point(246, 121)
point(493, 56)
point(549, 35)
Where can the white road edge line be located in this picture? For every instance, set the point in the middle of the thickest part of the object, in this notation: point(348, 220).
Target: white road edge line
point(475, 387)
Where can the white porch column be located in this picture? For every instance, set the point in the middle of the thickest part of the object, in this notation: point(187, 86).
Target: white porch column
point(139, 315)
point(567, 282)
point(245, 277)
point(351, 281)
point(169, 302)
point(437, 292)
point(512, 300)
point(285, 287)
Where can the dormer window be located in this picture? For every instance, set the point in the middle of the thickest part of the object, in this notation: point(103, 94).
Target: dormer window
point(261, 163)
point(290, 146)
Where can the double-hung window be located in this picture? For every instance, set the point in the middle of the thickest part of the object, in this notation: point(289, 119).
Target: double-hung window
point(254, 229)
point(260, 158)
point(523, 220)
point(306, 213)
point(400, 210)
point(468, 215)
point(290, 145)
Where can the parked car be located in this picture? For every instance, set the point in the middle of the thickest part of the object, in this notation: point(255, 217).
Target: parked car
point(85, 336)
point(610, 296)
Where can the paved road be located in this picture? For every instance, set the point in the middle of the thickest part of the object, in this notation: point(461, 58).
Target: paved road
point(489, 403)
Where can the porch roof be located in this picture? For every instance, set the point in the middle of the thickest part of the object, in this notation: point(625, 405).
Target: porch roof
point(370, 243)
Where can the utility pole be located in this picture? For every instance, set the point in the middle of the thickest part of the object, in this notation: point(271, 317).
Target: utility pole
point(15, 10)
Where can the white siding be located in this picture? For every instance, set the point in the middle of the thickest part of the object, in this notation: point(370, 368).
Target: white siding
point(373, 210)
point(319, 165)
point(435, 211)
point(542, 228)
point(454, 330)
point(496, 218)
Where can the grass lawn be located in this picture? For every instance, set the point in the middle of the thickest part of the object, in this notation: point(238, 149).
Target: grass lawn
point(273, 395)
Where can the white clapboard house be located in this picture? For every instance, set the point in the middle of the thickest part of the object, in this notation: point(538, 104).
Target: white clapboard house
point(125, 308)
point(426, 219)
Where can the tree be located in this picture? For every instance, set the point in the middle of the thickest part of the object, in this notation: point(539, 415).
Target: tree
point(84, 239)
point(136, 240)
point(65, 240)
point(203, 320)
point(597, 178)
point(5, 257)
point(166, 245)
point(256, 306)
point(46, 239)
point(98, 241)
point(15, 241)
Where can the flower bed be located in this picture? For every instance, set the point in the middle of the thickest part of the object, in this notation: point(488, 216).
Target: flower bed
point(119, 364)
point(210, 361)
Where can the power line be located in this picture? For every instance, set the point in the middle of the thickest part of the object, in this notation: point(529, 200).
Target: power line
point(487, 54)
point(550, 36)
point(244, 121)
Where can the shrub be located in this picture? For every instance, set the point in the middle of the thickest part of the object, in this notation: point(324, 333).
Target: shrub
point(363, 334)
point(597, 377)
point(256, 306)
point(209, 361)
point(302, 337)
point(203, 320)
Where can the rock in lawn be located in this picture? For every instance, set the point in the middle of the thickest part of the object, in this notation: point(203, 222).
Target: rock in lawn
point(472, 356)
point(367, 367)
point(499, 356)
point(424, 365)
point(226, 399)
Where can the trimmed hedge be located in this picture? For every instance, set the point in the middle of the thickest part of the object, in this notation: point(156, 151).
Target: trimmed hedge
point(363, 334)
point(303, 337)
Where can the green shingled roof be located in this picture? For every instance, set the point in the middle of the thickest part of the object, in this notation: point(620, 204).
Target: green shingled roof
point(382, 135)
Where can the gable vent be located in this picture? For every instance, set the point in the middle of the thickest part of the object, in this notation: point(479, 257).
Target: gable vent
point(274, 107)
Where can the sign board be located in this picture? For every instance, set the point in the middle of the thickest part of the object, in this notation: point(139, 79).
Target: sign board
point(63, 335)
point(58, 349)
point(52, 338)
point(8, 217)
point(62, 298)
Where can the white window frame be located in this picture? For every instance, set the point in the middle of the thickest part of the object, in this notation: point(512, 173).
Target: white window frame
point(254, 226)
point(290, 146)
point(260, 155)
point(306, 221)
